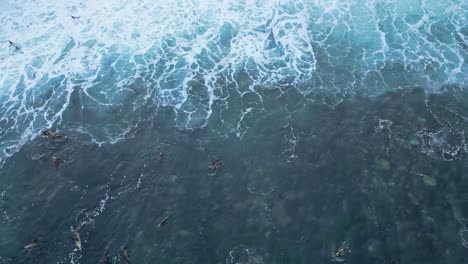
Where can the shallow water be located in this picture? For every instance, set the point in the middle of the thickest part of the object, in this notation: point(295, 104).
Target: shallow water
point(335, 121)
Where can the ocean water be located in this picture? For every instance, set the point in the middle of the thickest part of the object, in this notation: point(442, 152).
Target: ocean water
point(337, 122)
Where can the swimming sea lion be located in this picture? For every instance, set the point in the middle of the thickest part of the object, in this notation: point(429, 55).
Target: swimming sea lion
point(56, 161)
point(125, 255)
point(14, 45)
point(76, 237)
point(34, 244)
point(105, 259)
point(164, 221)
point(75, 17)
point(161, 154)
point(340, 254)
point(215, 164)
point(53, 135)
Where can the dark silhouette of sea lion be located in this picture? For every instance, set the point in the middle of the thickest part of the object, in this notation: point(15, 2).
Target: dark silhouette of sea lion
point(14, 45)
point(164, 221)
point(340, 253)
point(75, 17)
point(105, 259)
point(56, 161)
point(48, 133)
point(34, 244)
point(215, 164)
point(161, 154)
point(53, 135)
point(124, 253)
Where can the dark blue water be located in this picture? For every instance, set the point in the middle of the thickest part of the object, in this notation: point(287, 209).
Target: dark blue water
point(305, 178)
point(337, 123)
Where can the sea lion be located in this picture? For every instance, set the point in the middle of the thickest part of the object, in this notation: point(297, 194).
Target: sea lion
point(76, 237)
point(125, 255)
point(215, 164)
point(53, 135)
point(75, 17)
point(105, 259)
point(164, 221)
point(161, 154)
point(56, 161)
point(14, 45)
point(340, 254)
point(34, 244)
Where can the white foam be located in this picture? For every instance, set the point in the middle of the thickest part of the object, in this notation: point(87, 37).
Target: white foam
point(166, 45)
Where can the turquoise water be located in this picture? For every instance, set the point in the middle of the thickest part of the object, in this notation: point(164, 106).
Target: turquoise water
point(336, 121)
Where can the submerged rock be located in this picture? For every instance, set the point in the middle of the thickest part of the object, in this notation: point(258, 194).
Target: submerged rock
point(459, 206)
point(382, 164)
point(428, 180)
point(414, 141)
point(280, 215)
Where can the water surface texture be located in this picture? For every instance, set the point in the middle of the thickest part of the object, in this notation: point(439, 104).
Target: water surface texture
point(337, 122)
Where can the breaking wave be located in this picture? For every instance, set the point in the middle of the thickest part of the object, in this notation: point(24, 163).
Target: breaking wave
point(121, 61)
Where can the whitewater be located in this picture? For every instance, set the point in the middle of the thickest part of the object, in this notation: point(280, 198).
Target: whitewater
point(120, 57)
